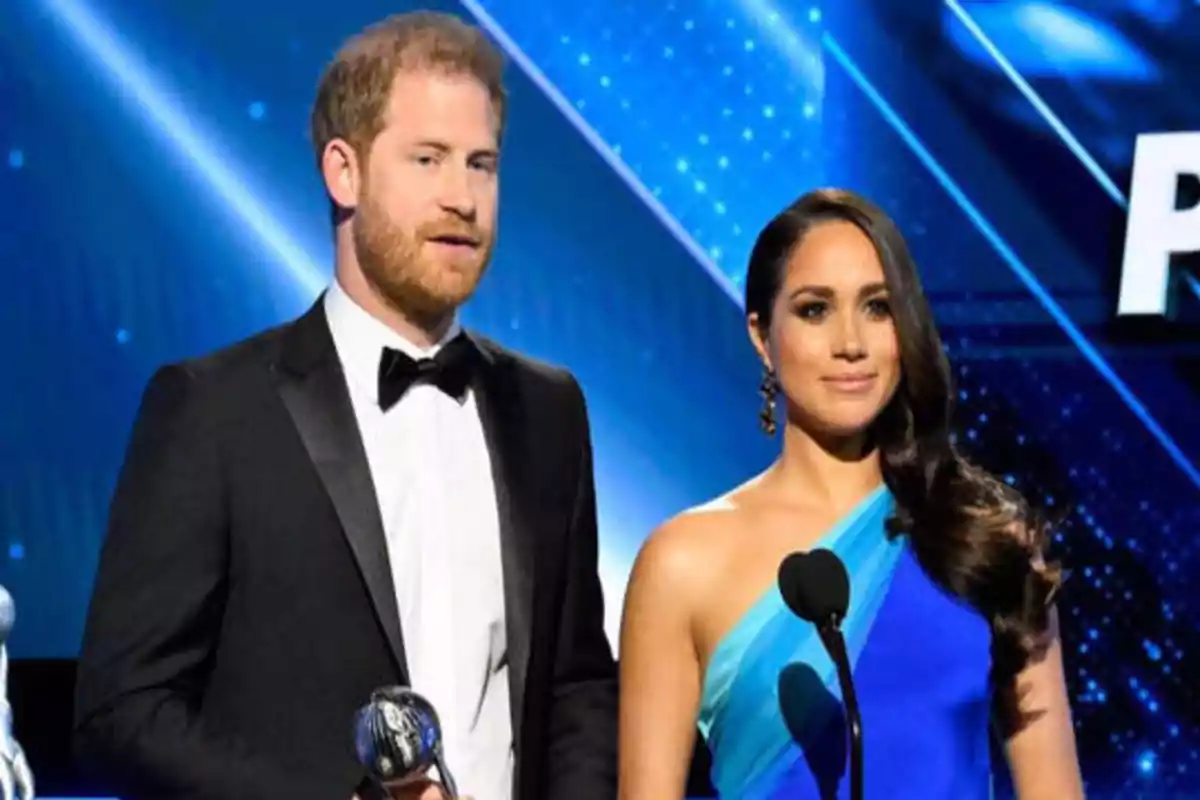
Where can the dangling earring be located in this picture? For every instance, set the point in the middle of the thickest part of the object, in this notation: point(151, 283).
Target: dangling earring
point(767, 391)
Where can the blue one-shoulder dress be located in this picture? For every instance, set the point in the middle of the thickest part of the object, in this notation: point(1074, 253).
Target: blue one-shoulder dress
point(771, 708)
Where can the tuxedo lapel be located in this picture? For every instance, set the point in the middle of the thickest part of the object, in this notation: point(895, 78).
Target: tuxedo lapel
point(505, 424)
point(313, 387)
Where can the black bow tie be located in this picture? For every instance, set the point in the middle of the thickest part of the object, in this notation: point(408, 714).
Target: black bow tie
point(450, 370)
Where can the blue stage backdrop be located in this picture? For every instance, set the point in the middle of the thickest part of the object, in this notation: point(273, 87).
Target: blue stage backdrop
point(159, 200)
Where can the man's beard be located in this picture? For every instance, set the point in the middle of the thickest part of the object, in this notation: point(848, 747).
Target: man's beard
point(424, 288)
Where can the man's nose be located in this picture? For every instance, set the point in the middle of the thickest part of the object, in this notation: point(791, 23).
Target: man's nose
point(456, 195)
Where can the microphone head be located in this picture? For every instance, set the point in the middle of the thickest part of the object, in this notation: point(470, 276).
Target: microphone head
point(815, 586)
point(397, 734)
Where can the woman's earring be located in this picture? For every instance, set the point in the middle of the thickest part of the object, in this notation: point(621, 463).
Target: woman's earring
point(767, 390)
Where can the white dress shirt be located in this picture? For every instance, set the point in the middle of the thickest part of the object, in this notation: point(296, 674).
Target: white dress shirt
point(437, 499)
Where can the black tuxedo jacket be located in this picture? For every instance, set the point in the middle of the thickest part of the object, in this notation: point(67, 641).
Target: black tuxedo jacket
point(244, 606)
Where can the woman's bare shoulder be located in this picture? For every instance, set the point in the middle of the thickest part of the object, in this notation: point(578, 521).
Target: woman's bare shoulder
point(689, 548)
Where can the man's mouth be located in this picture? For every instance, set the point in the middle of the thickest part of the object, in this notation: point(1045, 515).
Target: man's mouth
point(456, 240)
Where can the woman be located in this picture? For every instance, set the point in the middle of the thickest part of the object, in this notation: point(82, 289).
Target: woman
point(950, 623)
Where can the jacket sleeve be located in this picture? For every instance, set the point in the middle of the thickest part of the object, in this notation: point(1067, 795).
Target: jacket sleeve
point(154, 617)
point(582, 755)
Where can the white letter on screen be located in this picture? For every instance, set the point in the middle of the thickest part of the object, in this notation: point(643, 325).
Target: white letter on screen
point(1156, 230)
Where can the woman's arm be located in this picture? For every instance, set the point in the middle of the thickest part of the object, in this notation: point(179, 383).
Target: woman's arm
point(660, 675)
point(1035, 719)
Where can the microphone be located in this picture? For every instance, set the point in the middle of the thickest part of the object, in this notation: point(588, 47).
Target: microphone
point(397, 736)
point(816, 588)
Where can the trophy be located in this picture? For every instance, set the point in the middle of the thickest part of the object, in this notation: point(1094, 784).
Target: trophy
point(398, 737)
point(16, 779)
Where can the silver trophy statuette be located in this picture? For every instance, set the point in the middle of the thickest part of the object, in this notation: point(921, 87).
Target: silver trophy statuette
point(16, 780)
point(397, 736)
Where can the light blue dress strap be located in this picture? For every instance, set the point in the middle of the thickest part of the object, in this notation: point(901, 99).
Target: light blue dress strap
point(740, 720)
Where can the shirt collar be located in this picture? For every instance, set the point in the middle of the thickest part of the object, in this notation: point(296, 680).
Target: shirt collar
point(360, 338)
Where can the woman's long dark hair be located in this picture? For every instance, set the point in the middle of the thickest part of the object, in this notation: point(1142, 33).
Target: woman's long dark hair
point(973, 534)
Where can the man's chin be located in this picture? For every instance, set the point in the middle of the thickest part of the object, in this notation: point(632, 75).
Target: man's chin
point(446, 286)
point(432, 307)
point(456, 265)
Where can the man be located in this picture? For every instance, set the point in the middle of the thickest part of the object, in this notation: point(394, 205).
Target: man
point(368, 496)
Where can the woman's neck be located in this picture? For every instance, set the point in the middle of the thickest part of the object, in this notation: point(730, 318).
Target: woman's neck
point(831, 473)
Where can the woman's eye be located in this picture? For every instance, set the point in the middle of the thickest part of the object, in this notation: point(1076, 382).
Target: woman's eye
point(814, 310)
point(879, 308)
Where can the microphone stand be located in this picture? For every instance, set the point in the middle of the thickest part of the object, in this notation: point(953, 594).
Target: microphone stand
point(835, 644)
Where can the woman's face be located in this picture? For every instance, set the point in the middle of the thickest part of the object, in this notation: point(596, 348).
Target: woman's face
point(831, 341)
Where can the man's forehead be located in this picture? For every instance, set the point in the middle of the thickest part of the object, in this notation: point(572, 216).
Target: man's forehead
point(443, 106)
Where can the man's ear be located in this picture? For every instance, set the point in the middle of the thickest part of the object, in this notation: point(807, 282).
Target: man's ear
point(341, 170)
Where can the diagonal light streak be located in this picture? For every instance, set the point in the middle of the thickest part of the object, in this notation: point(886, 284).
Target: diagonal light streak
point(1011, 259)
point(128, 75)
point(775, 26)
point(1056, 124)
point(593, 138)
point(1041, 106)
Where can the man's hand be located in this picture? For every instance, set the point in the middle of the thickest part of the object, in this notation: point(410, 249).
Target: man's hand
point(420, 790)
point(417, 790)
